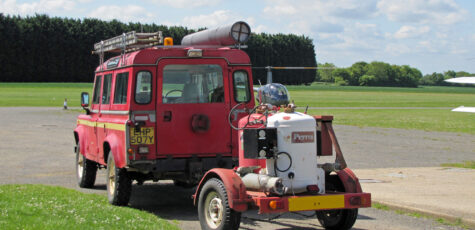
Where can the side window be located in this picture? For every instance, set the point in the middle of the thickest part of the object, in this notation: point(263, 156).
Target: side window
point(120, 92)
point(97, 90)
point(106, 89)
point(143, 87)
point(241, 86)
point(192, 84)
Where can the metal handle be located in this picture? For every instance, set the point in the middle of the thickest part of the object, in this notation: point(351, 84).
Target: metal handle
point(167, 116)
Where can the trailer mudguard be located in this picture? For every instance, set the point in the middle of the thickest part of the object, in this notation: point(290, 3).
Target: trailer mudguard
point(233, 184)
point(349, 181)
point(117, 149)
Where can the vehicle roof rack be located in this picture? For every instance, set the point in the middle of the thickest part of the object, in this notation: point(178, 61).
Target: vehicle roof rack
point(127, 42)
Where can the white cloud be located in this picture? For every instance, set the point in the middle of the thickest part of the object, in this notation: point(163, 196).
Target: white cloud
point(309, 9)
point(129, 13)
point(411, 32)
point(397, 49)
point(217, 18)
point(279, 10)
point(443, 12)
point(42, 6)
point(186, 3)
point(427, 46)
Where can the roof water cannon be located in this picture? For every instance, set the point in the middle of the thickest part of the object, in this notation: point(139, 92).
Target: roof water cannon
point(229, 35)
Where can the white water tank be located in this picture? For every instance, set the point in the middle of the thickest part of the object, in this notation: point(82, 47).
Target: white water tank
point(297, 152)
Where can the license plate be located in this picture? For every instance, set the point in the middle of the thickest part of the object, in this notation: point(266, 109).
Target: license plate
point(316, 202)
point(144, 136)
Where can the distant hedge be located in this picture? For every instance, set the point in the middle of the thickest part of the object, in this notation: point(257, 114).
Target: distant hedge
point(51, 49)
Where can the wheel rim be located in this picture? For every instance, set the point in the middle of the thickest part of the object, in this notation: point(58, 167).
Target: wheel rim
point(213, 210)
point(332, 217)
point(111, 177)
point(80, 164)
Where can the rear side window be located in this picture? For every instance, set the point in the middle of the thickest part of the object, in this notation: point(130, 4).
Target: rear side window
point(106, 89)
point(97, 90)
point(120, 92)
point(241, 86)
point(143, 87)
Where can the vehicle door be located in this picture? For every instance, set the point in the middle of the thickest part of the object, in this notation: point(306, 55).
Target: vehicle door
point(241, 92)
point(91, 137)
point(193, 108)
point(104, 115)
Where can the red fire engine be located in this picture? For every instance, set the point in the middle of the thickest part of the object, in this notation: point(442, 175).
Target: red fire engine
point(187, 113)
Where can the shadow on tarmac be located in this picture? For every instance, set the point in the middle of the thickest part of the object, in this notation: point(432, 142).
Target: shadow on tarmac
point(175, 203)
point(164, 200)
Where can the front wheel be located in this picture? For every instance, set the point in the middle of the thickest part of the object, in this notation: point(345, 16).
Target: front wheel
point(213, 207)
point(86, 170)
point(119, 184)
point(342, 219)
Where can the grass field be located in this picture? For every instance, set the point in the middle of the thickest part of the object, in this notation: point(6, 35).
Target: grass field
point(351, 103)
point(465, 164)
point(42, 94)
point(52, 207)
point(354, 96)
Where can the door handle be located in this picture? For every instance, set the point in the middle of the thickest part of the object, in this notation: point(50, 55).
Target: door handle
point(167, 116)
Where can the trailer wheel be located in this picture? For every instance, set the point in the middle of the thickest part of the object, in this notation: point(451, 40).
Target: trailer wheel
point(342, 219)
point(119, 184)
point(213, 207)
point(85, 170)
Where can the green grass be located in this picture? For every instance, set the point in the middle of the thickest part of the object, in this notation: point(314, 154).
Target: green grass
point(50, 207)
point(317, 95)
point(379, 206)
point(42, 94)
point(353, 96)
point(465, 164)
point(421, 119)
point(457, 223)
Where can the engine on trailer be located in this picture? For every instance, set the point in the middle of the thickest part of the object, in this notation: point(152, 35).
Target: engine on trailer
point(278, 149)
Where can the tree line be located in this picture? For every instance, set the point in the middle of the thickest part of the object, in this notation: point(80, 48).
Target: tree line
point(438, 78)
point(370, 74)
point(383, 74)
point(51, 49)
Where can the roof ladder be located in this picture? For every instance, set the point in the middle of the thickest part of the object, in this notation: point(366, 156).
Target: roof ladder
point(127, 42)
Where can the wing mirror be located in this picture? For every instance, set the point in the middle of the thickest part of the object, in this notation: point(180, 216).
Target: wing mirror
point(85, 102)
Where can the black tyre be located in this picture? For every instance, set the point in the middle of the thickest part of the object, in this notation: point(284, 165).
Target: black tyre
point(341, 219)
point(119, 184)
point(86, 170)
point(213, 207)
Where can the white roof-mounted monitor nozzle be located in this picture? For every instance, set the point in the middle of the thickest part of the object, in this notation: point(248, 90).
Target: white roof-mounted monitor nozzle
point(234, 34)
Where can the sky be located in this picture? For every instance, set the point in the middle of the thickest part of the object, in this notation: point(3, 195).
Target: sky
point(431, 35)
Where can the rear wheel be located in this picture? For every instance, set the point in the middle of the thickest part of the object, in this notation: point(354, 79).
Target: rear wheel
point(337, 219)
point(213, 207)
point(119, 184)
point(86, 170)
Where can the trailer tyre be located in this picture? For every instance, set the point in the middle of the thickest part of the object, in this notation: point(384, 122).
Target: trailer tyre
point(119, 184)
point(213, 207)
point(341, 219)
point(86, 170)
